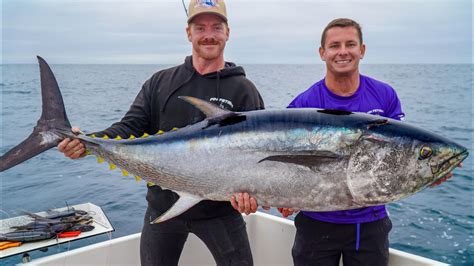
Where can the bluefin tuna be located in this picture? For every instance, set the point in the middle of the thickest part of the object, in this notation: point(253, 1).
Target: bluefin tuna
point(310, 159)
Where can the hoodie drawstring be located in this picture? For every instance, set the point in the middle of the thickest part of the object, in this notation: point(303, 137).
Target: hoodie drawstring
point(218, 87)
point(357, 236)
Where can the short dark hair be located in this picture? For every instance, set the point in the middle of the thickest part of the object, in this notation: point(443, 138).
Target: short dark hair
point(341, 22)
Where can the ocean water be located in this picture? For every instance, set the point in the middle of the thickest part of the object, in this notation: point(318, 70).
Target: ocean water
point(436, 223)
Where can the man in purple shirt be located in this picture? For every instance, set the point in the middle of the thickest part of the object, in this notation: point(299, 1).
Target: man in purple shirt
point(360, 235)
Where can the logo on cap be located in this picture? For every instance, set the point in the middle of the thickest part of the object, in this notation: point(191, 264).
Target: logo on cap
point(207, 3)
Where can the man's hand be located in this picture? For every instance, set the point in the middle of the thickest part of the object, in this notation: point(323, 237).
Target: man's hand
point(285, 212)
point(244, 203)
point(446, 177)
point(72, 149)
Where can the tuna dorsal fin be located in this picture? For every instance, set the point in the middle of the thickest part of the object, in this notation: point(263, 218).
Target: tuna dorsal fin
point(209, 109)
point(184, 202)
point(305, 158)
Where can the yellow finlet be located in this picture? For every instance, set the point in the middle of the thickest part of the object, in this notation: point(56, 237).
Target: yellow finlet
point(160, 132)
point(145, 135)
point(112, 166)
point(88, 152)
point(93, 136)
point(132, 137)
point(124, 172)
point(100, 159)
point(105, 137)
point(174, 129)
point(150, 184)
point(118, 138)
point(137, 178)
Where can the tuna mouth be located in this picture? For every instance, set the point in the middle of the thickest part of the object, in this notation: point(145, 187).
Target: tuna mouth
point(449, 164)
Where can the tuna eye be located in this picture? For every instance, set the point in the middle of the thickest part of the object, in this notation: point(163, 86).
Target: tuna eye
point(425, 152)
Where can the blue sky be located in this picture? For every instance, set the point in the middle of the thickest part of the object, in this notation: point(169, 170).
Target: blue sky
point(263, 31)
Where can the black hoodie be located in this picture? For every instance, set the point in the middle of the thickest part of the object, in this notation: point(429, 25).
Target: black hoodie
point(157, 107)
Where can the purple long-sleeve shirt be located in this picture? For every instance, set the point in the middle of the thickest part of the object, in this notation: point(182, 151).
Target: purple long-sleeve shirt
point(372, 97)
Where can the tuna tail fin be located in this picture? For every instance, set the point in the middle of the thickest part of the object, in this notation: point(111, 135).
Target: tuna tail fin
point(51, 128)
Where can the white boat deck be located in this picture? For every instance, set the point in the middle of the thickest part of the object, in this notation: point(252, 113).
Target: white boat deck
point(271, 239)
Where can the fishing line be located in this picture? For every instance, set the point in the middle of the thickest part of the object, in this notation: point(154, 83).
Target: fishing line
point(8, 215)
point(185, 9)
point(108, 251)
point(99, 223)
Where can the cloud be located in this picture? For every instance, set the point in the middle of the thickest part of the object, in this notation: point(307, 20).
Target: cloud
point(107, 31)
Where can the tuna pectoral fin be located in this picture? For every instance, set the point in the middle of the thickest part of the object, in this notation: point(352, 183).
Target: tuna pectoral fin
point(308, 159)
point(184, 202)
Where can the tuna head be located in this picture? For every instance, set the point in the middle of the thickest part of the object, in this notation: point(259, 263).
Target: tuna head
point(395, 160)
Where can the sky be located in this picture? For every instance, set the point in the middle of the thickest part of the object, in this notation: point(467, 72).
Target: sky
point(262, 32)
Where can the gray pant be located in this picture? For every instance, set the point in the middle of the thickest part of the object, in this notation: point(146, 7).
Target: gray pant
point(226, 237)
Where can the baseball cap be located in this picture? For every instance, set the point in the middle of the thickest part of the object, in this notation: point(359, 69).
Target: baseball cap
point(197, 7)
